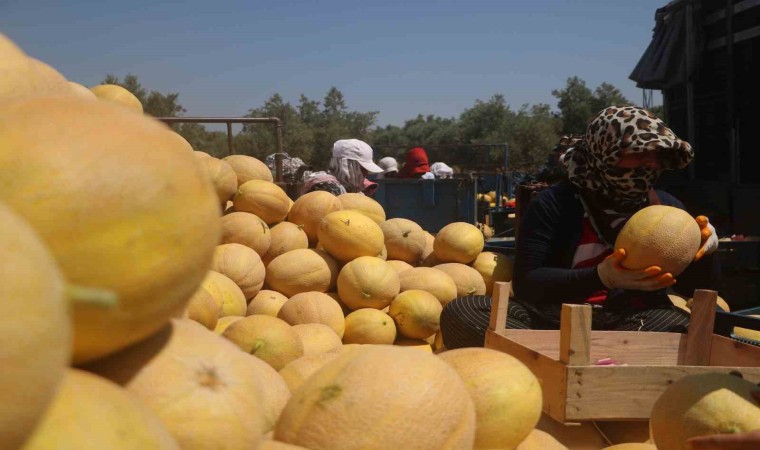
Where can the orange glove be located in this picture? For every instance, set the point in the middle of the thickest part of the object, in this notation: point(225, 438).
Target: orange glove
point(614, 275)
point(709, 238)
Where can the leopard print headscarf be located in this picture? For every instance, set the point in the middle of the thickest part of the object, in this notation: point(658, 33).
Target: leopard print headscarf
point(613, 193)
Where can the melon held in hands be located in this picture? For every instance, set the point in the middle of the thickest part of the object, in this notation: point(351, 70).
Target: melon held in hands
point(662, 236)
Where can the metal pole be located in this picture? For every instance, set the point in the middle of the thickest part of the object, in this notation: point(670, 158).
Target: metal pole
point(229, 138)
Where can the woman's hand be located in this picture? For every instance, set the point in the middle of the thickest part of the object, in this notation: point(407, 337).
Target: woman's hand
point(614, 275)
point(739, 441)
point(709, 238)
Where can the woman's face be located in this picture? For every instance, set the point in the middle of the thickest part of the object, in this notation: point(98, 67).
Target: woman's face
point(647, 159)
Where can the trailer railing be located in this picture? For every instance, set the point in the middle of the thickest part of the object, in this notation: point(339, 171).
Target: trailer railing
point(275, 121)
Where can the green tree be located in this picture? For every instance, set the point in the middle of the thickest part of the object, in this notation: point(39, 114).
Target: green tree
point(578, 104)
point(260, 140)
point(534, 134)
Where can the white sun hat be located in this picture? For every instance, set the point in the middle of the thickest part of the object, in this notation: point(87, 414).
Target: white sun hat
point(358, 151)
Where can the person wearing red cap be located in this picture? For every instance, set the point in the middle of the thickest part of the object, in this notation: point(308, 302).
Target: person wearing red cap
point(416, 164)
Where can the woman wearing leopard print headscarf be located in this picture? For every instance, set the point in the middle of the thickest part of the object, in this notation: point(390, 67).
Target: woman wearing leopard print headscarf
point(564, 248)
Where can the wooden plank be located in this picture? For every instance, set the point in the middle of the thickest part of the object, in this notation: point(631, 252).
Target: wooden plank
point(627, 392)
point(499, 304)
point(575, 335)
point(728, 352)
point(551, 373)
point(699, 338)
point(626, 347)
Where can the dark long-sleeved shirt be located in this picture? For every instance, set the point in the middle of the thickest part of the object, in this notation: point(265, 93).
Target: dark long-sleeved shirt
point(549, 234)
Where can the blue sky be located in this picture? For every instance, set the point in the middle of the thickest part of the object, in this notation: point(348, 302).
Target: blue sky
point(397, 57)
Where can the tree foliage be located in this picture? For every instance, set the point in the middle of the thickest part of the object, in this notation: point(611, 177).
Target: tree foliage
point(578, 104)
point(310, 127)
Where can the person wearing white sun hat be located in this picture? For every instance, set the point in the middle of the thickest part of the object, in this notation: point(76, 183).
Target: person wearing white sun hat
point(389, 166)
point(350, 163)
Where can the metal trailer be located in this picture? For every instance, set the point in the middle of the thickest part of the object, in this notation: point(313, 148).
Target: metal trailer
point(487, 164)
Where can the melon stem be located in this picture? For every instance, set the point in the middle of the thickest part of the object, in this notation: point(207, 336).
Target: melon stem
point(83, 295)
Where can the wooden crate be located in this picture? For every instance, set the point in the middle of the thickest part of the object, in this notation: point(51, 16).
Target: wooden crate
point(575, 389)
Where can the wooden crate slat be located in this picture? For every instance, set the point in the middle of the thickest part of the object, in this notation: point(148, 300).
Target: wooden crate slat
point(551, 373)
point(629, 347)
point(627, 392)
point(728, 352)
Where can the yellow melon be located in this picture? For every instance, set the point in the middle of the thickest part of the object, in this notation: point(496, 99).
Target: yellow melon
point(248, 168)
point(275, 445)
point(203, 309)
point(434, 281)
point(132, 218)
point(369, 326)
point(404, 239)
point(267, 338)
point(363, 204)
point(748, 333)
point(493, 267)
point(242, 265)
point(399, 266)
point(295, 372)
point(225, 322)
point(215, 394)
point(679, 302)
point(228, 297)
point(266, 302)
point(82, 91)
point(540, 440)
point(246, 229)
point(367, 282)
point(721, 303)
point(302, 270)
point(14, 70)
point(417, 344)
point(317, 338)
point(704, 404)
point(115, 419)
point(468, 280)
point(583, 436)
point(309, 209)
point(313, 307)
point(47, 80)
point(659, 235)
point(428, 256)
point(344, 405)
point(221, 175)
point(458, 242)
point(347, 235)
point(35, 329)
point(507, 395)
point(263, 198)
point(286, 236)
point(416, 313)
point(116, 94)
